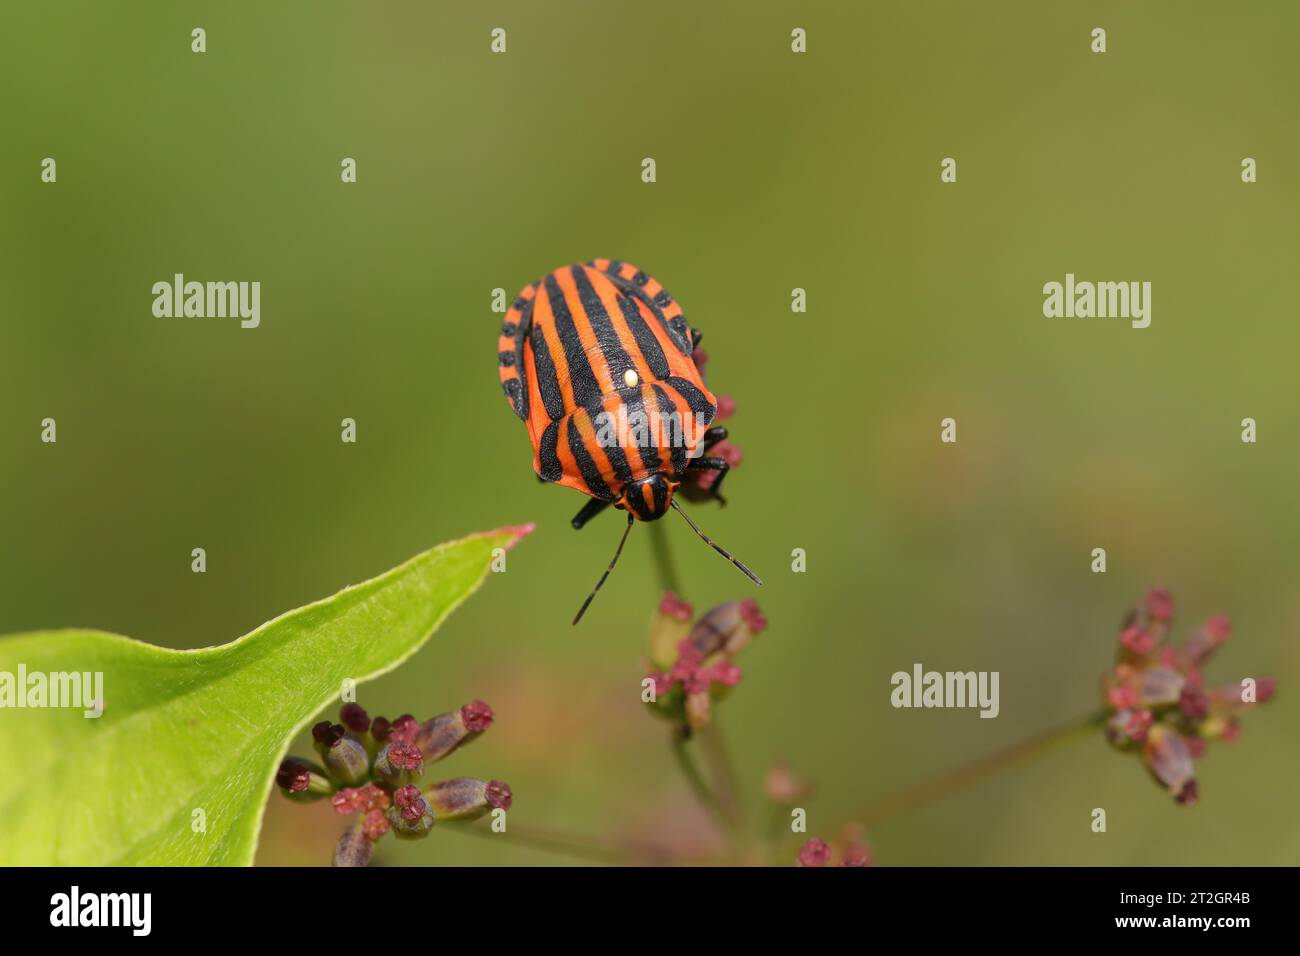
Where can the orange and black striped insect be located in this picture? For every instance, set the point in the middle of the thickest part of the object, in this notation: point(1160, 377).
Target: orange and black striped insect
point(596, 358)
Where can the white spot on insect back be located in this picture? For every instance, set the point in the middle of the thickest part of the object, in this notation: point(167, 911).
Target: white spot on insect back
point(630, 378)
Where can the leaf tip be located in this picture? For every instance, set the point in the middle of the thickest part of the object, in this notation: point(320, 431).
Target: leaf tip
point(516, 532)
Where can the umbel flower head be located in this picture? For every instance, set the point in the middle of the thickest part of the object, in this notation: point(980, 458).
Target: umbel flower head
point(1160, 706)
point(372, 770)
point(691, 665)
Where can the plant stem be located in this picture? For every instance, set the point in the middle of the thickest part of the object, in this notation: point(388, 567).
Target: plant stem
point(927, 791)
point(722, 770)
point(699, 786)
point(664, 559)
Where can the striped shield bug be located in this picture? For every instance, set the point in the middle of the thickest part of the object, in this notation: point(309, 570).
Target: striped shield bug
point(596, 359)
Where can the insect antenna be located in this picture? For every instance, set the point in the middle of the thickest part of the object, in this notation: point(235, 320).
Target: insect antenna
point(714, 545)
point(612, 561)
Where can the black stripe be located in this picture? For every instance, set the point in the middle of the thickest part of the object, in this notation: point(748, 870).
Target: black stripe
point(614, 266)
point(636, 411)
point(552, 470)
point(587, 465)
point(521, 303)
point(640, 278)
point(517, 390)
point(703, 409)
point(663, 299)
point(521, 344)
point(614, 452)
point(645, 339)
point(581, 378)
point(616, 358)
point(676, 328)
point(514, 392)
point(660, 497)
point(677, 450)
point(548, 383)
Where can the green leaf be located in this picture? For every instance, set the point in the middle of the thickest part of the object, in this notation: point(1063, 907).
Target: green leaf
point(204, 729)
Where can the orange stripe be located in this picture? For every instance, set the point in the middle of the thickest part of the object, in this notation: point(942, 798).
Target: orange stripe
point(608, 294)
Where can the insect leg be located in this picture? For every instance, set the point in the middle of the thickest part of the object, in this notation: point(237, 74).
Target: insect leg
point(712, 463)
point(714, 435)
point(592, 508)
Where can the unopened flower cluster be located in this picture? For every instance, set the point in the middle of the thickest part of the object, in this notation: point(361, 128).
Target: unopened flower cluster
point(849, 849)
point(692, 666)
point(1161, 707)
point(371, 770)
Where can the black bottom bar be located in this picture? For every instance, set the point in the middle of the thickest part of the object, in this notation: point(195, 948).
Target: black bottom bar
point(345, 906)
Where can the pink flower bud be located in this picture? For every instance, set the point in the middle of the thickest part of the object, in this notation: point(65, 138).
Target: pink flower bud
point(724, 672)
point(672, 606)
point(326, 734)
point(410, 816)
point(499, 795)
point(359, 799)
point(303, 781)
point(399, 763)
point(355, 718)
point(1138, 641)
point(814, 853)
point(856, 856)
point(1193, 702)
point(477, 716)
point(782, 786)
point(1160, 604)
point(374, 825)
point(409, 802)
point(1139, 724)
point(1122, 698)
point(404, 729)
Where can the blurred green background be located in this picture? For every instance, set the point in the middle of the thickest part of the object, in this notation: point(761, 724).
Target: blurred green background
point(775, 170)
